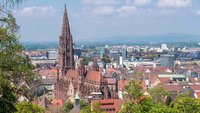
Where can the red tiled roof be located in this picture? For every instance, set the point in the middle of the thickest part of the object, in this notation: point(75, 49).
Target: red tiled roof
point(109, 104)
point(159, 69)
point(164, 80)
point(140, 68)
point(48, 72)
point(58, 102)
point(153, 78)
point(53, 70)
point(191, 79)
point(93, 76)
point(152, 69)
point(173, 88)
point(72, 74)
point(195, 87)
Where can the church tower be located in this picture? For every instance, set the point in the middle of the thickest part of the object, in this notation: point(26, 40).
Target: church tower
point(95, 66)
point(66, 51)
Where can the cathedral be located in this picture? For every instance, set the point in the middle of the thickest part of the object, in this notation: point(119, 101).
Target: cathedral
point(66, 52)
point(88, 83)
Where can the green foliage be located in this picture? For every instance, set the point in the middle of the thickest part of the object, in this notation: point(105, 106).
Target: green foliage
point(184, 104)
point(130, 107)
point(85, 61)
point(150, 56)
point(144, 106)
point(10, 3)
point(106, 60)
point(155, 104)
point(83, 103)
point(95, 108)
point(160, 108)
point(28, 107)
point(133, 89)
point(138, 74)
point(134, 92)
point(159, 94)
point(68, 106)
point(15, 67)
point(7, 97)
point(86, 109)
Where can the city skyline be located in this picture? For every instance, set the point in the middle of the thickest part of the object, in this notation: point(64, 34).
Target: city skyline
point(105, 56)
point(41, 20)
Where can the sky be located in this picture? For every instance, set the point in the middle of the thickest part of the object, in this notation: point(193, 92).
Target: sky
point(41, 20)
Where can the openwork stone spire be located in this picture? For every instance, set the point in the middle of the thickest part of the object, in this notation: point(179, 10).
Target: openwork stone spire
point(65, 25)
point(66, 52)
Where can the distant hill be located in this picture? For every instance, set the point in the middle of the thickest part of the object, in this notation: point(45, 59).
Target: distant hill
point(37, 45)
point(189, 40)
point(165, 38)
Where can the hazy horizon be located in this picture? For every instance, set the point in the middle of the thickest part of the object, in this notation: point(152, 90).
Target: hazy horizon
point(42, 20)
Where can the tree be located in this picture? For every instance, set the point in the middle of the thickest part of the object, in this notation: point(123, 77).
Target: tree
point(106, 60)
point(96, 108)
point(15, 68)
point(68, 106)
point(130, 107)
point(144, 106)
point(160, 95)
point(137, 104)
point(86, 109)
point(138, 75)
point(85, 61)
point(160, 108)
point(83, 103)
point(7, 97)
point(134, 90)
point(185, 104)
point(155, 104)
point(28, 107)
point(10, 3)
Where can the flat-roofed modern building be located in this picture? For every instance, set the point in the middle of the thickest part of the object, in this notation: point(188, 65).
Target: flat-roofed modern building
point(167, 60)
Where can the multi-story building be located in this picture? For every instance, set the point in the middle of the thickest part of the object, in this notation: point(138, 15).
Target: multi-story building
point(167, 60)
